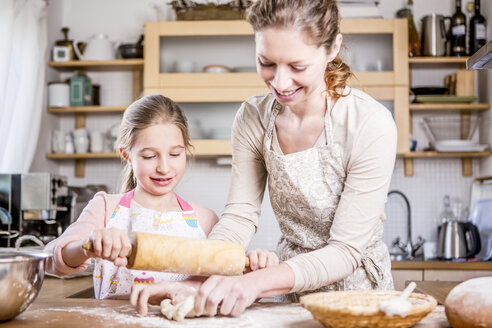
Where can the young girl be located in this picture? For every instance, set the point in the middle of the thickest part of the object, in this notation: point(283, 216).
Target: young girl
point(153, 141)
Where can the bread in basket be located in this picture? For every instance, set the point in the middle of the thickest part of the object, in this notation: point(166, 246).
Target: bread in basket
point(360, 308)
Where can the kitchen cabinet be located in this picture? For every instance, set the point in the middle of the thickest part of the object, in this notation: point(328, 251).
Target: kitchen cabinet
point(390, 85)
point(437, 271)
point(465, 110)
point(134, 65)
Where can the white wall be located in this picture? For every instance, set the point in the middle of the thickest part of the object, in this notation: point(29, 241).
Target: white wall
point(205, 181)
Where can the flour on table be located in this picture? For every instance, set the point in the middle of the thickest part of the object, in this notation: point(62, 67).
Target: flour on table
point(256, 316)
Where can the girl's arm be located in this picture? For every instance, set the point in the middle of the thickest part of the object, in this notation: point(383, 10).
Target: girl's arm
point(93, 217)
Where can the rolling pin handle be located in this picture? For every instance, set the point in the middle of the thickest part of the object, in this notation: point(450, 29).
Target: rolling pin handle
point(88, 247)
point(246, 263)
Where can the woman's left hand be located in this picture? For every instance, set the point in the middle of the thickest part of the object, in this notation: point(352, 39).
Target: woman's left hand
point(233, 293)
point(260, 259)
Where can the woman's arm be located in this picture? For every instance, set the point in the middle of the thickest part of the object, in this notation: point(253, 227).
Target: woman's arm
point(239, 220)
point(236, 293)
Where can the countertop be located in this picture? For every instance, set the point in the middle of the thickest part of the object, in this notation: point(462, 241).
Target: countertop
point(57, 305)
point(441, 265)
point(78, 313)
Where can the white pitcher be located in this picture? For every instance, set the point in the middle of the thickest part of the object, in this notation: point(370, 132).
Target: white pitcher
point(99, 47)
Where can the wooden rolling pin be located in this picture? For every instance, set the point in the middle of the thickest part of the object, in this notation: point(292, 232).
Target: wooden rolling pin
point(200, 257)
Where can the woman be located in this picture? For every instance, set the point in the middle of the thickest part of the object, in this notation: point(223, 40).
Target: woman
point(328, 152)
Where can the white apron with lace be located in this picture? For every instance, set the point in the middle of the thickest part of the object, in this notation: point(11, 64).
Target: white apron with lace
point(111, 281)
point(308, 185)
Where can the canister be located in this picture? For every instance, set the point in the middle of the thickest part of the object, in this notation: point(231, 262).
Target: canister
point(58, 94)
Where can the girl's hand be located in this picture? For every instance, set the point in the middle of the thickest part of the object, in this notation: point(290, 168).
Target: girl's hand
point(233, 293)
point(154, 294)
point(110, 244)
point(260, 259)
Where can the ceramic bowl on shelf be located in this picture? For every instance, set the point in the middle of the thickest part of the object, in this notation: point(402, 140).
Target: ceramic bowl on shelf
point(216, 69)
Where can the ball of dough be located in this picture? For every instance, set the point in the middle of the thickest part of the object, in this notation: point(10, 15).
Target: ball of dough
point(179, 311)
point(469, 304)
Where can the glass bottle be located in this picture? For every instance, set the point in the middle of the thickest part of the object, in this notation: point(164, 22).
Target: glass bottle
point(458, 32)
point(447, 213)
point(478, 30)
point(414, 46)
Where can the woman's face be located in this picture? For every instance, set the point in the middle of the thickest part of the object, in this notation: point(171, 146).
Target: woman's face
point(291, 65)
point(158, 159)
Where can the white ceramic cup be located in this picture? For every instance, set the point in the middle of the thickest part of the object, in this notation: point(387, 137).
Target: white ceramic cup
point(58, 94)
point(57, 141)
point(81, 141)
point(69, 148)
point(97, 142)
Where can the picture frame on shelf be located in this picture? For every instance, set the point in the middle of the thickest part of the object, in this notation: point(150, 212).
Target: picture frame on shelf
point(61, 54)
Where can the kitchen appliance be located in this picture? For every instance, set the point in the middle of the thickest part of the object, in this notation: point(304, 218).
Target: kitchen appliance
point(39, 205)
point(434, 35)
point(457, 240)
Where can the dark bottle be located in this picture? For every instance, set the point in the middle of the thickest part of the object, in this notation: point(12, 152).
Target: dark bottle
point(458, 32)
point(478, 30)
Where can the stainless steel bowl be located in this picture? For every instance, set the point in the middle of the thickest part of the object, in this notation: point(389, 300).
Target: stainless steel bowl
point(21, 277)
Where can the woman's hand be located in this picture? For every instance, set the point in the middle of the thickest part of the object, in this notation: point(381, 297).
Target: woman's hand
point(154, 294)
point(260, 259)
point(233, 293)
point(110, 244)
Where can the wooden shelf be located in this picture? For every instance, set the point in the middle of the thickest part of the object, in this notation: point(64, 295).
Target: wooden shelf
point(437, 60)
point(87, 109)
point(454, 106)
point(435, 154)
point(201, 148)
point(99, 65)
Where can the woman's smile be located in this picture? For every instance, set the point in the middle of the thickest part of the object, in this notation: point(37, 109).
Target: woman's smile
point(286, 95)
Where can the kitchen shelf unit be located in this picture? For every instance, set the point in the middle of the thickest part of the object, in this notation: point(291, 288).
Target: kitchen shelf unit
point(133, 65)
point(465, 110)
point(237, 87)
point(202, 148)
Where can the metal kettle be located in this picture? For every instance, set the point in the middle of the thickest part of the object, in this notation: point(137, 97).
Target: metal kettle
point(434, 36)
point(458, 240)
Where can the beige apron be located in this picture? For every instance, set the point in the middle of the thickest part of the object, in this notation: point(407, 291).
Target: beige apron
point(305, 188)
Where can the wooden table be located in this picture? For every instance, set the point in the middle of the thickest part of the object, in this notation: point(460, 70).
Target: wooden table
point(82, 313)
point(438, 289)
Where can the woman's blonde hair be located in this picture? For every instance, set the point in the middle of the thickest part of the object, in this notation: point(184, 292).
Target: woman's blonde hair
point(319, 19)
point(143, 113)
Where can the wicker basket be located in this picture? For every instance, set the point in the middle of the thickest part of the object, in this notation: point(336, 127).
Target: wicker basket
point(360, 309)
point(190, 10)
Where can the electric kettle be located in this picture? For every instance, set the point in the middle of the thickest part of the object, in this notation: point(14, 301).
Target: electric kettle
point(458, 240)
point(434, 35)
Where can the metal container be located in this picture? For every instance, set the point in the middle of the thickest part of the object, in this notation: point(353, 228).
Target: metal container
point(434, 35)
point(21, 278)
point(458, 240)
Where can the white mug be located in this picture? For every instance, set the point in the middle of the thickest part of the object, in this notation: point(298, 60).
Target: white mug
point(58, 141)
point(97, 142)
point(430, 250)
point(81, 141)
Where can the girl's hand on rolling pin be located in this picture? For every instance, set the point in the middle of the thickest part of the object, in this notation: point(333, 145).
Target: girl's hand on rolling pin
point(154, 294)
point(111, 244)
point(233, 293)
point(260, 259)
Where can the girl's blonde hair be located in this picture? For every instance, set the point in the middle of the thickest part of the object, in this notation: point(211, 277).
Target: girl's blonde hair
point(143, 113)
point(319, 19)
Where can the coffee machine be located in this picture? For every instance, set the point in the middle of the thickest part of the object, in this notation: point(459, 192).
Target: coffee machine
point(34, 204)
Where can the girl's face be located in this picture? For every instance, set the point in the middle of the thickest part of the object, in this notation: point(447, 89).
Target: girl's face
point(158, 159)
point(292, 67)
